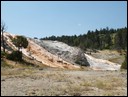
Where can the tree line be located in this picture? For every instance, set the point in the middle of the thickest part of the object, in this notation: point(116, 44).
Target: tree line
point(99, 39)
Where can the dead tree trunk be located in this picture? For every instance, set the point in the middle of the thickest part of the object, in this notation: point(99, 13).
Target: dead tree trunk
point(3, 29)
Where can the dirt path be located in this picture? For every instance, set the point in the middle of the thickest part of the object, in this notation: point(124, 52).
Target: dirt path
point(51, 81)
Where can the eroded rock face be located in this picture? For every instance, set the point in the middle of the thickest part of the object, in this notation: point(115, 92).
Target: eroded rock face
point(59, 54)
point(73, 55)
point(81, 59)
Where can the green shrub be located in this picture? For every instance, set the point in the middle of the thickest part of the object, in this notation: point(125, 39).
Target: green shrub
point(124, 64)
point(15, 56)
point(3, 54)
point(20, 41)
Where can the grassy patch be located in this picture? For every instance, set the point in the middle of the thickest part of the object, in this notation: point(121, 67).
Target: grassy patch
point(109, 84)
point(118, 60)
point(5, 64)
point(103, 85)
point(86, 84)
point(108, 94)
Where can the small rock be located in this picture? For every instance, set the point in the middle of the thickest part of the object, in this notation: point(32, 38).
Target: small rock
point(40, 68)
point(3, 80)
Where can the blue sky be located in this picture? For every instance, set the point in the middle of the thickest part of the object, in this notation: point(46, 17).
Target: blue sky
point(47, 18)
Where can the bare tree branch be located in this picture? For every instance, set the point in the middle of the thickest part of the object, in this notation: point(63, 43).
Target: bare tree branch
point(3, 29)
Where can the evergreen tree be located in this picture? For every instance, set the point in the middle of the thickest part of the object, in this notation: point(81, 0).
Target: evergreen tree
point(118, 40)
point(20, 41)
point(98, 39)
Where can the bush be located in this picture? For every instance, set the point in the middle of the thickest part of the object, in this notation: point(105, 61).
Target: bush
point(124, 64)
point(20, 41)
point(3, 54)
point(15, 56)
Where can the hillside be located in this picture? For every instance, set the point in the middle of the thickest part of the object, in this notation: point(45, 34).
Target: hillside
point(50, 70)
point(39, 54)
point(71, 54)
point(58, 54)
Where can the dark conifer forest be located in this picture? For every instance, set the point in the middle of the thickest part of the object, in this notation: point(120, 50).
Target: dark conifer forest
point(99, 39)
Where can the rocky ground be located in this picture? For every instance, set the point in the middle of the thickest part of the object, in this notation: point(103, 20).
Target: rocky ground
point(61, 82)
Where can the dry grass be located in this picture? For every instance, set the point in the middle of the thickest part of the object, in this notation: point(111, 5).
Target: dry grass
point(111, 55)
point(108, 94)
point(118, 59)
point(103, 85)
point(53, 82)
point(86, 84)
point(109, 84)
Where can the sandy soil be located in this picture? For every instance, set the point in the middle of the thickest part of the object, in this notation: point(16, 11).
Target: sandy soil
point(57, 82)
